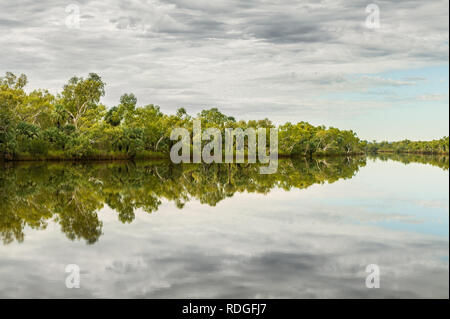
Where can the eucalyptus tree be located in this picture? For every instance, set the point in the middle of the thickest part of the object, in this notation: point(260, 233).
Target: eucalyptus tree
point(80, 99)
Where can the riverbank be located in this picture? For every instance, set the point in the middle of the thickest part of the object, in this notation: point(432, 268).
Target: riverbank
point(59, 157)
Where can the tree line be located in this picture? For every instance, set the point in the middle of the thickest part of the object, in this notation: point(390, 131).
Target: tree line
point(412, 147)
point(74, 124)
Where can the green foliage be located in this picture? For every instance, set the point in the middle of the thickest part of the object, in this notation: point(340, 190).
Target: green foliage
point(27, 130)
point(56, 138)
point(8, 143)
point(308, 140)
point(414, 147)
point(80, 100)
point(12, 97)
point(75, 125)
point(114, 117)
point(214, 118)
point(38, 147)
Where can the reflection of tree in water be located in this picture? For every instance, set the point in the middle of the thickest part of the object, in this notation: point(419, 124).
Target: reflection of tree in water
point(32, 194)
point(441, 161)
point(72, 194)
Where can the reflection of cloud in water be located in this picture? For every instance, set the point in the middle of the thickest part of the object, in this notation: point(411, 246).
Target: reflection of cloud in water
point(433, 204)
point(234, 253)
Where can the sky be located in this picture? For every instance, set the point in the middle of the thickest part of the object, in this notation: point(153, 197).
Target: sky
point(325, 62)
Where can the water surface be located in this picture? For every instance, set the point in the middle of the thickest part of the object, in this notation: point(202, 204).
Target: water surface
point(157, 230)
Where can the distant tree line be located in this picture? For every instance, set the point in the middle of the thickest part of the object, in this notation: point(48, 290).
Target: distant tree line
point(413, 147)
point(74, 124)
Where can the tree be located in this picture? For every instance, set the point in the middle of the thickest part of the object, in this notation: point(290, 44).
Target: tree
point(114, 117)
point(80, 98)
point(214, 118)
point(75, 125)
point(38, 108)
point(125, 109)
point(12, 97)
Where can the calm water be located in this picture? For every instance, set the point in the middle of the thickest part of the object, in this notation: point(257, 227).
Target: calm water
point(157, 230)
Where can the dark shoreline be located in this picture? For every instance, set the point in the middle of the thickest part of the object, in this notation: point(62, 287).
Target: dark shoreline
point(167, 158)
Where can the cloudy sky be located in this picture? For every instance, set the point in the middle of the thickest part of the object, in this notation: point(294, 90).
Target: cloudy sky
point(317, 61)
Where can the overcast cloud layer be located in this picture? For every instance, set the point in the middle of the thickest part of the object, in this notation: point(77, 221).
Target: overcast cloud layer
point(285, 60)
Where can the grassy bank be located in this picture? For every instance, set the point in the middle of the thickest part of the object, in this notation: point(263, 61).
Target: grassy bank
point(149, 155)
point(97, 156)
